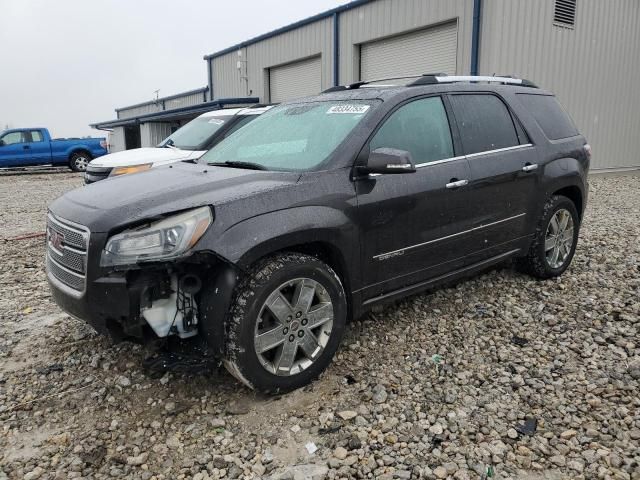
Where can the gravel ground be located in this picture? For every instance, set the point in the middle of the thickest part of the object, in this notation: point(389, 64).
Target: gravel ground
point(442, 385)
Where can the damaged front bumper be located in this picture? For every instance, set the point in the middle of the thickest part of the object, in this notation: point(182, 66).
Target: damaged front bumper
point(185, 297)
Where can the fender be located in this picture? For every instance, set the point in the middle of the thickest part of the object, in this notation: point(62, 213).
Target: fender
point(256, 237)
point(562, 173)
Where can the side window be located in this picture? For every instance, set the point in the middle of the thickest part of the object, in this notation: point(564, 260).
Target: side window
point(550, 115)
point(36, 136)
point(421, 128)
point(13, 137)
point(484, 123)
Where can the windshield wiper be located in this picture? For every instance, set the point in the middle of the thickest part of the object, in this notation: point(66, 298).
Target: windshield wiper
point(247, 165)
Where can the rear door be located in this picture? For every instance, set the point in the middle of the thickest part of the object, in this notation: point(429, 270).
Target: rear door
point(504, 170)
point(40, 149)
point(14, 150)
point(412, 224)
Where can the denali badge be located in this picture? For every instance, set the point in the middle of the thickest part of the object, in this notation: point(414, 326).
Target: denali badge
point(56, 239)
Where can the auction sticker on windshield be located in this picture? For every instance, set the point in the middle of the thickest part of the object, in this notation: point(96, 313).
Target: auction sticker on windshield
point(348, 109)
point(216, 121)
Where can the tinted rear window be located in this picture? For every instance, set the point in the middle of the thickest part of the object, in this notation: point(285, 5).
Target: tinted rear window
point(484, 123)
point(550, 115)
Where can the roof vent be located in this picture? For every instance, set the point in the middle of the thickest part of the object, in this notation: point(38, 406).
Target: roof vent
point(565, 13)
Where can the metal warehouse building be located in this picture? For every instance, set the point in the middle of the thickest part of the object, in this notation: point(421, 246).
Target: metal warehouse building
point(586, 51)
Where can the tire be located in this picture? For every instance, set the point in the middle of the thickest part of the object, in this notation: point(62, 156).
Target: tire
point(79, 161)
point(539, 261)
point(267, 363)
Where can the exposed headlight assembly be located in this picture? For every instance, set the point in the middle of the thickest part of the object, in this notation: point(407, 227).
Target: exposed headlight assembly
point(165, 239)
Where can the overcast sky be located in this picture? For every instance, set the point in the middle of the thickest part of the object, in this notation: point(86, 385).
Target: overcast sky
point(68, 63)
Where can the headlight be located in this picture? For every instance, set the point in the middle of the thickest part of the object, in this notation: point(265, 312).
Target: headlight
point(164, 239)
point(132, 169)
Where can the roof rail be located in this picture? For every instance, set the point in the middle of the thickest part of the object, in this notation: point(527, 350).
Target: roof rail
point(434, 79)
point(361, 83)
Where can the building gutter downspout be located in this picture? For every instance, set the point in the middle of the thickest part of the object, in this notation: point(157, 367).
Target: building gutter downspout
point(210, 78)
point(336, 49)
point(475, 35)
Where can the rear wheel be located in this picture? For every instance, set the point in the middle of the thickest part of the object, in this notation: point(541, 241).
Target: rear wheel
point(79, 161)
point(285, 324)
point(555, 239)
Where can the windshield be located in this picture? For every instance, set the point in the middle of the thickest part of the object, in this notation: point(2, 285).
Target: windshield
point(196, 134)
point(291, 137)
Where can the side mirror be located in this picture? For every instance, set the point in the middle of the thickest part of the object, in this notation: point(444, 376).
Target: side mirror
point(388, 161)
point(1, 143)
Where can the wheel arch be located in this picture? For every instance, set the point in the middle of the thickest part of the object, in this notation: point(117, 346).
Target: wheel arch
point(78, 150)
point(573, 193)
point(315, 246)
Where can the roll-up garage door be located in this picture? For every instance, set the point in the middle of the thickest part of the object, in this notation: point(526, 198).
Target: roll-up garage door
point(432, 50)
point(294, 80)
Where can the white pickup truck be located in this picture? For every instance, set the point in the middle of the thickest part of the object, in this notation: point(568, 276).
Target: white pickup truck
point(189, 142)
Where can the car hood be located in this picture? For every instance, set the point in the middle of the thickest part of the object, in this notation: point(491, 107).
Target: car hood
point(139, 156)
point(116, 202)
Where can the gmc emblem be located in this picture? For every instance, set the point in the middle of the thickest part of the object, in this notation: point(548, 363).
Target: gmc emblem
point(56, 239)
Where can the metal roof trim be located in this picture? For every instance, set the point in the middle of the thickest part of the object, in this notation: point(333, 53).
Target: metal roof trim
point(288, 28)
point(161, 99)
point(204, 107)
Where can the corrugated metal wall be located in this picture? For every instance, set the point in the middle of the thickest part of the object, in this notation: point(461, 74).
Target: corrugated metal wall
point(362, 24)
point(184, 100)
point(152, 133)
point(385, 18)
point(427, 50)
point(592, 68)
point(294, 80)
point(139, 110)
point(116, 140)
point(307, 41)
point(167, 103)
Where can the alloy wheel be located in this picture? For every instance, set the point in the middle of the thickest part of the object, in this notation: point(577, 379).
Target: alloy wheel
point(81, 162)
point(558, 240)
point(293, 327)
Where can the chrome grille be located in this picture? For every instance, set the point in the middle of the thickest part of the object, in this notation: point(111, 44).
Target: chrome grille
point(67, 252)
point(70, 257)
point(66, 276)
point(74, 236)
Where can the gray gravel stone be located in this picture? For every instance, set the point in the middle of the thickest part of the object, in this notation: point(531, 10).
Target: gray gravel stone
point(67, 413)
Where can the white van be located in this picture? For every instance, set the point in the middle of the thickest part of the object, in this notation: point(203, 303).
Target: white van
point(189, 142)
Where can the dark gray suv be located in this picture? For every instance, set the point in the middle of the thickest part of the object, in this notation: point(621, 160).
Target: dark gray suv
point(316, 211)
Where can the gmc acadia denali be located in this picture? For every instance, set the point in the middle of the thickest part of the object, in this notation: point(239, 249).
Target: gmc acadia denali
point(317, 210)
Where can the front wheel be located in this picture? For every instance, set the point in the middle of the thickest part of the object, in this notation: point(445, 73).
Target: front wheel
point(285, 324)
point(79, 161)
point(555, 241)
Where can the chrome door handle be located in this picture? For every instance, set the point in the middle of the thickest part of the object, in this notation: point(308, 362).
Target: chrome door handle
point(530, 168)
point(457, 184)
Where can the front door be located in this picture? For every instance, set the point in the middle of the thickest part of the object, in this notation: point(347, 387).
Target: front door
point(14, 150)
point(411, 224)
point(504, 171)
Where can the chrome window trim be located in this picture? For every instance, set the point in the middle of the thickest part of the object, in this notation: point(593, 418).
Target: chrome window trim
point(498, 150)
point(460, 157)
point(439, 162)
point(400, 251)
